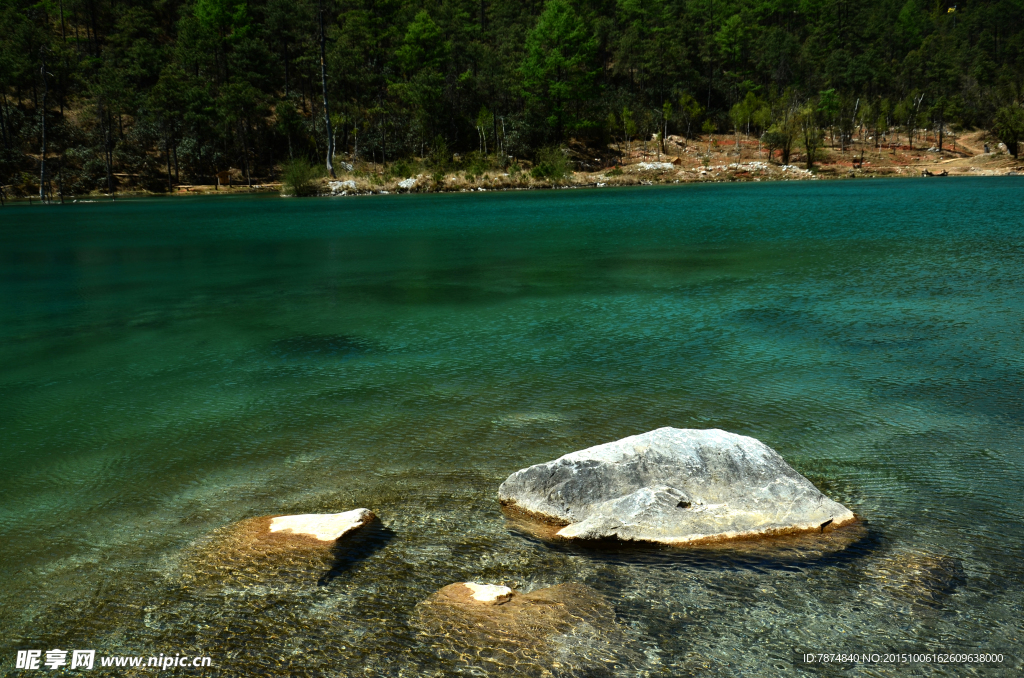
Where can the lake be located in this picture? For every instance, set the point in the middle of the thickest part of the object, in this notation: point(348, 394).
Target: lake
point(169, 367)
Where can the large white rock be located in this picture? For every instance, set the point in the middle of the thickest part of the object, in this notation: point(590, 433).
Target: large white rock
point(322, 526)
point(672, 486)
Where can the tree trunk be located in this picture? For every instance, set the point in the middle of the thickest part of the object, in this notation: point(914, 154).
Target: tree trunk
point(42, 118)
point(95, 38)
point(167, 155)
point(63, 30)
point(4, 131)
point(107, 156)
point(942, 125)
point(853, 124)
point(323, 82)
point(245, 155)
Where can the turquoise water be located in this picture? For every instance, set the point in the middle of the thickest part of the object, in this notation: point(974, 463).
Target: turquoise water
point(169, 367)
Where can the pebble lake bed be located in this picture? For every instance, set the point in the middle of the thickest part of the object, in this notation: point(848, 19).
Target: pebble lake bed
point(175, 370)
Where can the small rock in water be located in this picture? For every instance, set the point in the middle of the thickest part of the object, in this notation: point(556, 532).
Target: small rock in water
point(281, 549)
point(568, 629)
point(672, 486)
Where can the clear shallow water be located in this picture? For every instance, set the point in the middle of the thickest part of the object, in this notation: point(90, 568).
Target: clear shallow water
point(169, 367)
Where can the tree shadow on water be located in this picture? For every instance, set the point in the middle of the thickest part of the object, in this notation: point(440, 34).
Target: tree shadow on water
point(303, 347)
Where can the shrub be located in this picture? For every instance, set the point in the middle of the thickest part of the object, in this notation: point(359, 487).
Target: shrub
point(440, 157)
point(616, 172)
point(478, 164)
point(773, 139)
point(299, 178)
point(551, 164)
point(401, 169)
point(1009, 127)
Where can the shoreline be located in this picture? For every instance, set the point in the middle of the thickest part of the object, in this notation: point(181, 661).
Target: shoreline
point(728, 160)
point(723, 175)
point(629, 178)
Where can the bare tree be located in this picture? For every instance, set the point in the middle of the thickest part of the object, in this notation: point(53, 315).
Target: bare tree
point(323, 82)
point(42, 119)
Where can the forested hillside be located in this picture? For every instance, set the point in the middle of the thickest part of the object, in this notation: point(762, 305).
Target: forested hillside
point(150, 93)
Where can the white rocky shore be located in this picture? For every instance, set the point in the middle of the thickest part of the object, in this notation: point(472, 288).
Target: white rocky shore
point(672, 486)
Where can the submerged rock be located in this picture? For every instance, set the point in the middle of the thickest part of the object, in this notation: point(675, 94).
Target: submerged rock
point(672, 486)
point(308, 548)
point(568, 629)
point(918, 576)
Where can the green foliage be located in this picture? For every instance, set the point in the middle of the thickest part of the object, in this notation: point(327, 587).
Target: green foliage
point(744, 112)
point(807, 119)
point(423, 46)
point(783, 133)
point(401, 169)
point(773, 139)
point(300, 178)
point(224, 17)
point(552, 164)
point(689, 111)
point(560, 69)
point(1009, 127)
point(476, 163)
point(731, 38)
point(289, 122)
point(828, 105)
point(629, 128)
point(210, 84)
point(440, 156)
